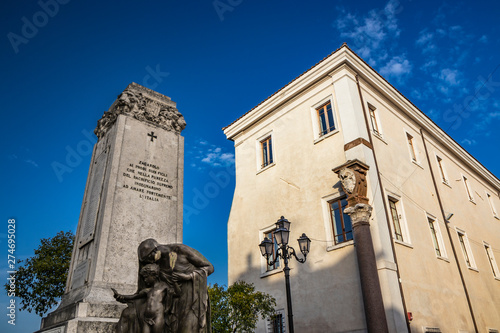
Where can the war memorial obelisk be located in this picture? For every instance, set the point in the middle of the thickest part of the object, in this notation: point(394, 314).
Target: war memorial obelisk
point(134, 191)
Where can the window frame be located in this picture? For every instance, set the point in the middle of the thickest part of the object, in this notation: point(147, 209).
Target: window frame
point(266, 148)
point(403, 224)
point(373, 114)
point(266, 137)
point(278, 267)
point(468, 189)
point(410, 142)
point(270, 322)
point(492, 205)
point(327, 118)
point(436, 236)
point(466, 249)
point(315, 119)
point(396, 220)
point(342, 215)
point(491, 260)
point(442, 171)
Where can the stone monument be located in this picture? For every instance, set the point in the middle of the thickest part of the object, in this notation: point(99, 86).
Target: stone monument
point(134, 192)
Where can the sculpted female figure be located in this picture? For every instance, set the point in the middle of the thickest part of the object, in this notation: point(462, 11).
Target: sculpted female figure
point(185, 271)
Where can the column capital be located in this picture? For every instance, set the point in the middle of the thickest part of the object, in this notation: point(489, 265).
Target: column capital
point(359, 213)
point(353, 180)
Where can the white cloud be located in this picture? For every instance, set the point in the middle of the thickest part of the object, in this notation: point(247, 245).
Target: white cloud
point(396, 67)
point(468, 142)
point(32, 163)
point(425, 37)
point(369, 34)
point(427, 66)
point(450, 76)
point(483, 39)
point(374, 36)
point(204, 153)
point(216, 159)
point(426, 42)
point(495, 114)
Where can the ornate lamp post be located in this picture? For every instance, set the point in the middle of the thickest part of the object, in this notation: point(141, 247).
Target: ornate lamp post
point(281, 235)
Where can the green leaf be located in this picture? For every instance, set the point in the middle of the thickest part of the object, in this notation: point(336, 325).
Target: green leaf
point(237, 309)
point(41, 279)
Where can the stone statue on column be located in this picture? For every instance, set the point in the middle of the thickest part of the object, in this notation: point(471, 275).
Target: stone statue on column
point(353, 180)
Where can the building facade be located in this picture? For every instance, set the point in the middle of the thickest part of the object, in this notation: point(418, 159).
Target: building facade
point(435, 224)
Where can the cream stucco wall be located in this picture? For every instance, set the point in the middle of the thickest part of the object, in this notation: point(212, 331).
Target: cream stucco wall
point(326, 290)
point(294, 187)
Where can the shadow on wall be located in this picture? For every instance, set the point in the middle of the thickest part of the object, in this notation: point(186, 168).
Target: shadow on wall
point(326, 299)
point(323, 300)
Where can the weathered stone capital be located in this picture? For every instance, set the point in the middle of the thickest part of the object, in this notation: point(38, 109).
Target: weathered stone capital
point(145, 105)
point(360, 214)
point(352, 177)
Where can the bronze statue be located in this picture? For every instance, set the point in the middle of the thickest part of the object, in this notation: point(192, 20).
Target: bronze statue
point(178, 290)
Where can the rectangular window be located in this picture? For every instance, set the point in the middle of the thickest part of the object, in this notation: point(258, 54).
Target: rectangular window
point(432, 330)
point(267, 151)
point(411, 147)
point(276, 265)
point(493, 209)
point(277, 324)
point(325, 117)
point(396, 220)
point(464, 244)
point(491, 259)
point(467, 188)
point(373, 118)
point(441, 170)
point(342, 226)
point(434, 235)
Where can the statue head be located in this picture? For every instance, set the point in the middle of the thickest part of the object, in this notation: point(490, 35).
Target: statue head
point(348, 180)
point(150, 273)
point(148, 251)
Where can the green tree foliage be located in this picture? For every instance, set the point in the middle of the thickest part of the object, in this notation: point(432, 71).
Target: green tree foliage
point(41, 279)
point(237, 309)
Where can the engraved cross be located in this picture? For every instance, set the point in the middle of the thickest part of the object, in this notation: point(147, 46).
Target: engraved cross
point(152, 135)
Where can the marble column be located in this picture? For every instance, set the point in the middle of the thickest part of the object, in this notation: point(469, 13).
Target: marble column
point(353, 179)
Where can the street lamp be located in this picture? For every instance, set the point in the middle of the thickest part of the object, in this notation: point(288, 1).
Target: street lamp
point(281, 235)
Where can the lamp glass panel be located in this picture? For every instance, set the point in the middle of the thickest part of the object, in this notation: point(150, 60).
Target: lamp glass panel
point(304, 243)
point(281, 236)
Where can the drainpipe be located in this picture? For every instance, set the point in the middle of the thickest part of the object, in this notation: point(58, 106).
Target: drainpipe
point(385, 204)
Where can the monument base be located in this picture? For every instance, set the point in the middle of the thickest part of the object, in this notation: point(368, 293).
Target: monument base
point(83, 317)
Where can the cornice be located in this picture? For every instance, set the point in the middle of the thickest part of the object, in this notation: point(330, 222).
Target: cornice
point(145, 105)
point(333, 64)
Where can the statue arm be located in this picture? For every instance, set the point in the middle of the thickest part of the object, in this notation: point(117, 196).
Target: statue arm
point(196, 259)
point(199, 261)
point(124, 298)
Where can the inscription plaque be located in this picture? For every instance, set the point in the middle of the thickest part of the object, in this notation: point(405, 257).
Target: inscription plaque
point(148, 180)
point(93, 199)
point(80, 274)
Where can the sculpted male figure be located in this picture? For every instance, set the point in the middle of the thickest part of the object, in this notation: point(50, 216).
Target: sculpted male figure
point(185, 269)
point(157, 294)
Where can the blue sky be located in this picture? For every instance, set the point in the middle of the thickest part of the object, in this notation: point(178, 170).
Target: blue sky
point(62, 67)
